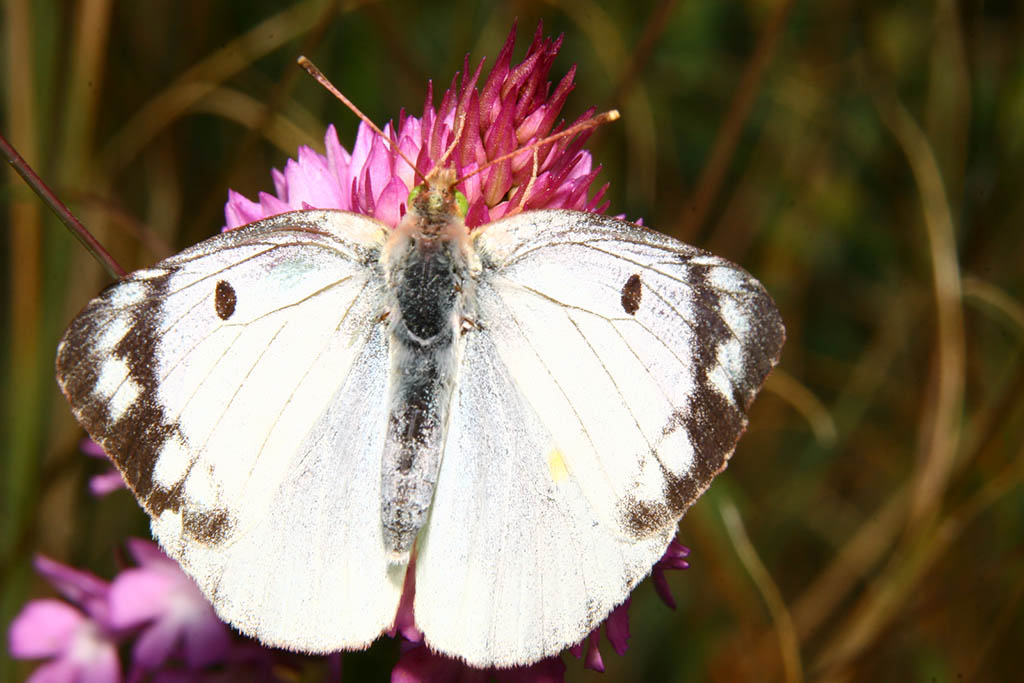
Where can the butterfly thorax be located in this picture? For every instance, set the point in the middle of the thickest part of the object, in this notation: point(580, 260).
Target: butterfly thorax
point(427, 263)
point(433, 206)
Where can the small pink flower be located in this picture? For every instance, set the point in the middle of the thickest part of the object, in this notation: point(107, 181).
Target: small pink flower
point(174, 617)
point(77, 639)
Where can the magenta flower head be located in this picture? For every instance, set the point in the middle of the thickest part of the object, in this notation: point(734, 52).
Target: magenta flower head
point(515, 106)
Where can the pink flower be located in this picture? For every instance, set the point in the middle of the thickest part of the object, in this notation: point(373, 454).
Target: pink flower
point(174, 617)
point(76, 638)
point(419, 664)
point(515, 107)
point(155, 605)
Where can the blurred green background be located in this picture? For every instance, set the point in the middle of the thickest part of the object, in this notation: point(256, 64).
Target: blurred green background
point(863, 159)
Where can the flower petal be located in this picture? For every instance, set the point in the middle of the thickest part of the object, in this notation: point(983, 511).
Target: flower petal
point(421, 665)
point(617, 627)
point(96, 657)
point(147, 553)
point(80, 587)
point(673, 558)
point(108, 482)
point(593, 659)
point(240, 211)
point(138, 596)
point(91, 448)
point(57, 671)
point(43, 628)
point(405, 623)
point(155, 644)
point(550, 670)
point(391, 201)
point(207, 640)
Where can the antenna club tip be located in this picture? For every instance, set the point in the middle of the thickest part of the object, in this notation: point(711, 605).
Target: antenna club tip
point(614, 115)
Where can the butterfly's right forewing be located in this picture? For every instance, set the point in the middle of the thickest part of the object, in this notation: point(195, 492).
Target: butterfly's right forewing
point(240, 387)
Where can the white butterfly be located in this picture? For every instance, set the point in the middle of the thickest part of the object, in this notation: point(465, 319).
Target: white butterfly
point(304, 404)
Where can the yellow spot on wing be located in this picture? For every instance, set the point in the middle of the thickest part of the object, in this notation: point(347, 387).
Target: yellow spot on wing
point(556, 466)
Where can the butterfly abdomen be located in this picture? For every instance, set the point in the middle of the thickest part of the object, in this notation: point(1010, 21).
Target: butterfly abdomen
point(427, 275)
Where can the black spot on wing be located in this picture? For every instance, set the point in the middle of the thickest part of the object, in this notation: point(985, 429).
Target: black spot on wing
point(760, 344)
point(224, 300)
point(135, 440)
point(763, 342)
point(632, 292)
point(135, 437)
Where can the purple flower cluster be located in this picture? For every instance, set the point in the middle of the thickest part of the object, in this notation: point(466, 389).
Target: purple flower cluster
point(151, 620)
point(153, 605)
point(154, 611)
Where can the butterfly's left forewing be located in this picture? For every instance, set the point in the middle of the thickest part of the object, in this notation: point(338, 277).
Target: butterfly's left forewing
point(240, 387)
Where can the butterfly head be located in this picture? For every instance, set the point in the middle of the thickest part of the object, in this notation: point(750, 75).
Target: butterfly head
point(436, 201)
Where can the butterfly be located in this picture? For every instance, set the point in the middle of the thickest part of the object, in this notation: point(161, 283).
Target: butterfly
point(312, 405)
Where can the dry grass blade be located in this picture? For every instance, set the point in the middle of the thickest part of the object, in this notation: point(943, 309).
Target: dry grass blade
point(803, 400)
point(788, 641)
point(24, 216)
point(606, 38)
point(997, 299)
point(940, 447)
point(728, 135)
point(279, 130)
point(943, 415)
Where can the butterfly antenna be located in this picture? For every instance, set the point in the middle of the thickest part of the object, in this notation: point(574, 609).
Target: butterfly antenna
point(318, 75)
point(533, 180)
point(606, 117)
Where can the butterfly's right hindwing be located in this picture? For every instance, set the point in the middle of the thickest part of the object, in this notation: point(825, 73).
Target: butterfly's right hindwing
point(240, 387)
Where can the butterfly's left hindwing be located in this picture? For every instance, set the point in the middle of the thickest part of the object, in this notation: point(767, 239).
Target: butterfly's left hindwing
point(249, 430)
